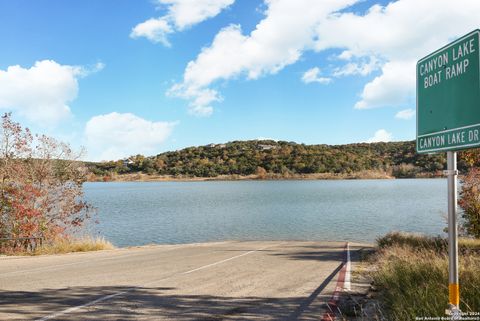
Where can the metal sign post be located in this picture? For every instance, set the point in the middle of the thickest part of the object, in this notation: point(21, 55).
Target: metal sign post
point(453, 285)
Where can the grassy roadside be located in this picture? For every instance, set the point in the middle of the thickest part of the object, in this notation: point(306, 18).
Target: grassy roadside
point(67, 245)
point(411, 276)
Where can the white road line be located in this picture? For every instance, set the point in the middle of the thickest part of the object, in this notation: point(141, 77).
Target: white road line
point(347, 285)
point(107, 297)
point(223, 261)
point(73, 309)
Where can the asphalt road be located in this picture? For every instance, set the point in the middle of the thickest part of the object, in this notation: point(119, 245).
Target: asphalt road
point(210, 281)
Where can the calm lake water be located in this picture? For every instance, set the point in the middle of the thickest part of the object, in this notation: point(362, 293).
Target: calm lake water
point(185, 212)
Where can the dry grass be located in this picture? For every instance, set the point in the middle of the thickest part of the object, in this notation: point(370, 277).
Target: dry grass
point(68, 245)
point(422, 242)
point(412, 276)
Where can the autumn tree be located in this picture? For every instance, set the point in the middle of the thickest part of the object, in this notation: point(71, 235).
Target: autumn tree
point(470, 193)
point(41, 180)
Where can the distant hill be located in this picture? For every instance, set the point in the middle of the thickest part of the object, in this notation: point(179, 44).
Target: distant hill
point(280, 159)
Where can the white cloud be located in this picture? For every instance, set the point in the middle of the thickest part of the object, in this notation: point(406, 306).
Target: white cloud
point(114, 136)
point(181, 14)
point(362, 68)
point(388, 39)
point(42, 93)
point(155, 30)
point(405, 114)
point(84, 71)
point(392, 88)
point(380, 135)
point(279, 40)
point(399, 34)
point(200, 98)
point(313, 75)
point(186, 13)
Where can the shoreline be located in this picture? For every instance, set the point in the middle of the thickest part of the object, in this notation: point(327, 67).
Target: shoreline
point(142, 177)
point(173, 246)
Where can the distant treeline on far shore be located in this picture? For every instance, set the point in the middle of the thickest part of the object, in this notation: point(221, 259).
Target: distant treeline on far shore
point(268, 159)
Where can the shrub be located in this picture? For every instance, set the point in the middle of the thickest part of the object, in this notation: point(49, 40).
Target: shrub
point(405, 171)
point(470, 202)
point(41, 180)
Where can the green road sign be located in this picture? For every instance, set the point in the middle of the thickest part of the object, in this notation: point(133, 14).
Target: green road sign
point(448, 97)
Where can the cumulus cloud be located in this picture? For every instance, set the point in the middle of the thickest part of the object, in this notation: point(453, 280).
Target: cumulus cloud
point(186, 13)
point(382, 33)
point(181, 14)
point(42, 93)
point(392, 88)
point(155, 30)
point(313, 75)
point(405, 114)
point(380, 135)
point(84, 71)
point(114, 136)
point(279, 40)
point(362, 68)
point(200, 98)
point(374, 41)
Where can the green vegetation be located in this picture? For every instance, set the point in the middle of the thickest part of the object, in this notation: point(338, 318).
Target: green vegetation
point(411, 274)
point(278, 159)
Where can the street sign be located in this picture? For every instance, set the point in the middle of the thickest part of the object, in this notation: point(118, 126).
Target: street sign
point(448, 97)
point(448, 119)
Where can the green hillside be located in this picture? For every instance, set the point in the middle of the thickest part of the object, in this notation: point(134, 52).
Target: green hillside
point(267, 158)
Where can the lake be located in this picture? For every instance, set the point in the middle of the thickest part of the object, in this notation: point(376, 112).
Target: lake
point(138, 213)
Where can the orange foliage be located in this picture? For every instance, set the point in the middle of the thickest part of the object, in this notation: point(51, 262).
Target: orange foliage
point(40, 185)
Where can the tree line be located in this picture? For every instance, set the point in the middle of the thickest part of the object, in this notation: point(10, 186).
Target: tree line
point(244, 158)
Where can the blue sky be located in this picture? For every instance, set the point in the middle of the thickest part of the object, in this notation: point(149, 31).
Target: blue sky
point(123, 77)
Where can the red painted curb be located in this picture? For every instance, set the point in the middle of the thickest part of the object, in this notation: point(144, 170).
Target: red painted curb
point(332, 303)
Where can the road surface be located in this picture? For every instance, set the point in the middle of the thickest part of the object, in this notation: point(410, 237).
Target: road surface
point(210, 281)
